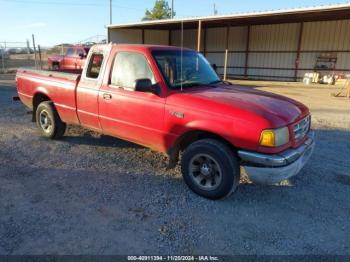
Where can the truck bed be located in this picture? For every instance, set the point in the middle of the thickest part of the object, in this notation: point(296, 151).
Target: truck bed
point(32, 83)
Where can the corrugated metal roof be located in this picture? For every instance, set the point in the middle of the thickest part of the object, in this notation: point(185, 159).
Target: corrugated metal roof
point(302, 10)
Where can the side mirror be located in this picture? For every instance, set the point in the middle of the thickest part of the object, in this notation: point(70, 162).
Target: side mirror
point(144, 85)
point(81, 55)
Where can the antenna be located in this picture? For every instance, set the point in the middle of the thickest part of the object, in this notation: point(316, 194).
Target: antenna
point(182, 46)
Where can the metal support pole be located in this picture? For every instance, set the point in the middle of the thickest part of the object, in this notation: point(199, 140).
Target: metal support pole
point(40, 62)
point(247, 53)
point(169, 37)
point(226, 52)
point(225, 65)
point(297, 59)
point(3, 62)
point(199, 39)
point(28, 49)
point(227, 37)
point(3, 59)
point(35, 63)
point(205, 41)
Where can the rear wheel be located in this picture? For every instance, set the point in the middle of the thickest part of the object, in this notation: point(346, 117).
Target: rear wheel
point(48, 121)
point(210, 169)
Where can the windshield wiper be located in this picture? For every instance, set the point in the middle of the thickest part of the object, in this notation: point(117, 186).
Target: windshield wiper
point(193, 84)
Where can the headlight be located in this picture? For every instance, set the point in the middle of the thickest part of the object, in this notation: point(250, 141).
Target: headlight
point(274, 137)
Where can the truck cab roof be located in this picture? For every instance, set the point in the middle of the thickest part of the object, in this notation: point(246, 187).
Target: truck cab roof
point(141, 47)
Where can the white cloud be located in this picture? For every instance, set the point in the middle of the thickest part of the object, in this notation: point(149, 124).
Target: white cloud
point(32, 25)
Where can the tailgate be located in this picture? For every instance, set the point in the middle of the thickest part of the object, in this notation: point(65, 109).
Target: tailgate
point(58, 87)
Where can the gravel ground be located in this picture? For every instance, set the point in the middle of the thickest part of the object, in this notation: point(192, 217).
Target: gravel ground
point(92, 194)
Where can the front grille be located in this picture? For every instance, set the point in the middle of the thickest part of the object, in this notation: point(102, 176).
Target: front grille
point(301, 128)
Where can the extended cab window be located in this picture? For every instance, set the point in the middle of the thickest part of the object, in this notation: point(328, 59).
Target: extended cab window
point(128, 67)
point(94, 66)
point(70, 51)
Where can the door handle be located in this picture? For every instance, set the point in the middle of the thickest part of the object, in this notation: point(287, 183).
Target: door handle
point(107, 96)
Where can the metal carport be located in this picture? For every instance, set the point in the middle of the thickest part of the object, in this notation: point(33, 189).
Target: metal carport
point(272, 45)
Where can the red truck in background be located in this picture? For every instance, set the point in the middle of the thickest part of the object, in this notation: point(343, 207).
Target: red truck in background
point(73, 60)
point(171, 100)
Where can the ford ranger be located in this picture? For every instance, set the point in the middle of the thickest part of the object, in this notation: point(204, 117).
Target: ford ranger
point(171, 100)
point(73, 60)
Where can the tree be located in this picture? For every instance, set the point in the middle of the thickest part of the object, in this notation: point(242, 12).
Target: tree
point(161, 10)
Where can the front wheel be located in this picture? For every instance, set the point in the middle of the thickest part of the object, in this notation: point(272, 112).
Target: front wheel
point(210, 169)
point(48, 121)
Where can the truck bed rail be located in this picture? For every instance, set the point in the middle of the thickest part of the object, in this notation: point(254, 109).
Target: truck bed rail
point(48, 73)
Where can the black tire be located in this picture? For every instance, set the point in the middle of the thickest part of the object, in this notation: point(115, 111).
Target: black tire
point(220, 159)
point(52, 127)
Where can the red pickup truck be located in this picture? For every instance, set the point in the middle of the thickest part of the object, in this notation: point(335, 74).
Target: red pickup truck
point(73, 60)
point(171, 100)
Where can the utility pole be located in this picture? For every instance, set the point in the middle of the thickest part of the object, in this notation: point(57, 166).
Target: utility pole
point(110, 12)
point(215, 10)
point(40, 64)
point(3, 59)
point(28, 49)
point(172, 9)
point(34, 51)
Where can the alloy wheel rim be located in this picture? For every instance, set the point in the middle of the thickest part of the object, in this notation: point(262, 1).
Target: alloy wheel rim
point(45, 121)
point(205, 172)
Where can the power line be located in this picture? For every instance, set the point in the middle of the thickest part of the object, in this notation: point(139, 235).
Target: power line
point(101, 4)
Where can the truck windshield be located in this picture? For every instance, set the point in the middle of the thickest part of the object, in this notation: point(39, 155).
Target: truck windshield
point(195, 69)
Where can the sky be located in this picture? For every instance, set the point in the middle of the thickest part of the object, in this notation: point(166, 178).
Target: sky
point(70, 21)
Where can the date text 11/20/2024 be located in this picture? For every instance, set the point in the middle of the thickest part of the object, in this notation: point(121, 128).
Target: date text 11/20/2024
point(173, 258)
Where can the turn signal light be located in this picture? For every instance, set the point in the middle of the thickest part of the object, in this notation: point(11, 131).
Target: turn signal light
point(274, 137)
point(267, 138)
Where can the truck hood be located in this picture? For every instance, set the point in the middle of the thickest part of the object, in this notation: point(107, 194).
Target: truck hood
point(278, 110)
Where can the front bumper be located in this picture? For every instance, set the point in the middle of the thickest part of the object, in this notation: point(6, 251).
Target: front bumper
point(273, 168)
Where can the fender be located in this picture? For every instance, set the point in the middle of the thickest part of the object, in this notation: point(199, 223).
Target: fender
point(40, 95)
point(40, 90)
point(221, 129)
point(194, 130)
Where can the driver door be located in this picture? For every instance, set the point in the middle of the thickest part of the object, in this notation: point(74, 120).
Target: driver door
point(124, 112)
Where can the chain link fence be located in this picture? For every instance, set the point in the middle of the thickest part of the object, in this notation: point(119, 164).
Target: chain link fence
point(14, 55)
